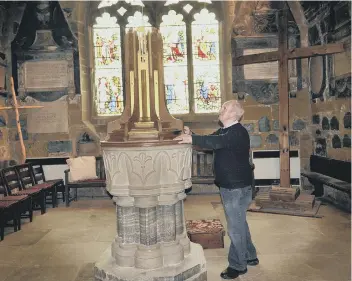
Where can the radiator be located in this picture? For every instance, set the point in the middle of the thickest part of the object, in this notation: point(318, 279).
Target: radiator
point(267, 167)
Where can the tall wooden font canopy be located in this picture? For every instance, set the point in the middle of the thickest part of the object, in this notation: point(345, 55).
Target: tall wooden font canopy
point(283, 55)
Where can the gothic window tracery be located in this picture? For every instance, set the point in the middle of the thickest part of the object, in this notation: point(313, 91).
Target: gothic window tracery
point(190, 32)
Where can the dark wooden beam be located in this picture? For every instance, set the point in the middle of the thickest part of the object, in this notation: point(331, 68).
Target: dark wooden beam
point(256, 58)
point(294, 53)
point(316, 51)
point(284, 101)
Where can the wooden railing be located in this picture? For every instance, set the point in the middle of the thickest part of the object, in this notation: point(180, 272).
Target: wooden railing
point(202, 167)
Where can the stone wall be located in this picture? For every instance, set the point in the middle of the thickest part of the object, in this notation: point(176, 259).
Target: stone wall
point(254, 30)
point(76, 141)
point(330, 84)
point(4, 143)
point(78, 138)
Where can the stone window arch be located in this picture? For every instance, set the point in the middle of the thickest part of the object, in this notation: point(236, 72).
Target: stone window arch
point(202, 91)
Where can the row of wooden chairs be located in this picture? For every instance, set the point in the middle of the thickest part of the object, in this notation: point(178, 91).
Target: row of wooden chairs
point(23, 188)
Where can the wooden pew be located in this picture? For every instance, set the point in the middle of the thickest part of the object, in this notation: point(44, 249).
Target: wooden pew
point(28, 181)
point(15, 188)
point(39, 177)
point(330, 172)
point(13, 208)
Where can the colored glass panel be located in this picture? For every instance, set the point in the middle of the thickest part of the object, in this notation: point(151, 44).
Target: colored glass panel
point(205, 37)
point(206, 65)
point(109, 92)
point(173, 31)
point(207, 98)
point(107, 47)
point(176, 89)
point(108, 66)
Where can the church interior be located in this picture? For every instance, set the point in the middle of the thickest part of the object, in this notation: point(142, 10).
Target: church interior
point(93, 186)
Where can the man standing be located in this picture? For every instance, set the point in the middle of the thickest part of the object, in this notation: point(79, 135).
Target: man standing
point(233, 175)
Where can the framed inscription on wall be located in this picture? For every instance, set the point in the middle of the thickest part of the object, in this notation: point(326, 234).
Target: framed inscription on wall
point(52, 118)
point(45, 75)
point(40, 72)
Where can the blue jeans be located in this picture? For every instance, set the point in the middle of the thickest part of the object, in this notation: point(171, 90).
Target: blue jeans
point(236, 202)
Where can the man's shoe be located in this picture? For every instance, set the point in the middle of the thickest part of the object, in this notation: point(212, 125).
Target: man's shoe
point(230, 273)
point(253, 262)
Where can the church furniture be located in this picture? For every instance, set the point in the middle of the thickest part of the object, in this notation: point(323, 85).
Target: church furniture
point(13, 207)
point(208, 233)
point(330, 172)
point(89, 183)
point(15, 187)
point(39, 177)
point(202, 169)
point(27, 179)
point(8, 212)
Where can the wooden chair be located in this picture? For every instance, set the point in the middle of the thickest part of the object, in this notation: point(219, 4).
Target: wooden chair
point(90, 183)
point(8, 212)
point(14, 187)
point(12, 208)
point(39, 177)
point(27, 179)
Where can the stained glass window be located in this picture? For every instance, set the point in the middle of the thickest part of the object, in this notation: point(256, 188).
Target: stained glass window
point(190, 54)
point(206, 63)
point(108, 66)
point(173, 31)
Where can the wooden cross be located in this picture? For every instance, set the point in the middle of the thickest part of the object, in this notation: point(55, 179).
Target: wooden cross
point(16, 108)
point(282, 56)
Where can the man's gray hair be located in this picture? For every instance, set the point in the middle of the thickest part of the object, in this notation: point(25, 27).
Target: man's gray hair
point(238, 109)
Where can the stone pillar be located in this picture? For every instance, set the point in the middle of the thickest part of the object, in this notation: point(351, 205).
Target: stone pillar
point(148, 186)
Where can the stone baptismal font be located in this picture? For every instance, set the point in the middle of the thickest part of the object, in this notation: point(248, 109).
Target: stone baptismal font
point(147, 173)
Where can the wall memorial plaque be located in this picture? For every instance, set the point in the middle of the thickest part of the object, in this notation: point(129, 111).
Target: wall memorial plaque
point(53, 118)
point(258, 71)
point(46, 74)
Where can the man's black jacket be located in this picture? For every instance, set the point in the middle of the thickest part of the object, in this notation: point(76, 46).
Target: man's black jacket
point(231, 161)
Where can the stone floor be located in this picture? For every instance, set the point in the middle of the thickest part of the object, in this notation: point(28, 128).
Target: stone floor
point(63, 244)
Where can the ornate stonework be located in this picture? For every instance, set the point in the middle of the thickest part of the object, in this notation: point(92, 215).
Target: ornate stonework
point(160, 169)
point(148, 186)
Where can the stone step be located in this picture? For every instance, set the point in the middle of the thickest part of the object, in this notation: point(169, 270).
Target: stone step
point(285, 194)
point(303, 202)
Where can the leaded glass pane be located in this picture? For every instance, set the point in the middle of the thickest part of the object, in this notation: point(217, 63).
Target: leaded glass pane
point(107, 47)
point(135, 2)
point(106, 3)
point(138, 20)
point(108, 66)
point(173, 31)
point(109, 91)
point(207, 89)
point(206, 64)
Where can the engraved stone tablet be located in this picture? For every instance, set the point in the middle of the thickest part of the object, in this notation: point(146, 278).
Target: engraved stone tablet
point(46, 74)
point(53, 118)
point(257, 71)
